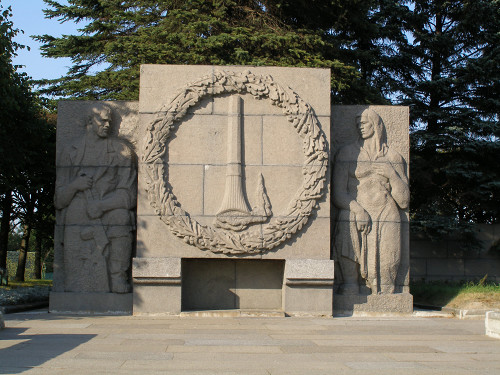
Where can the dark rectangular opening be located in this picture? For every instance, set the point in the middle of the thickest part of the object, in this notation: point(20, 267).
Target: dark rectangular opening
point(223, 284)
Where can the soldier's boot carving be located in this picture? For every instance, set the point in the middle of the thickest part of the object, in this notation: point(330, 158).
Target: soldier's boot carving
point(118, 264)
point(350, 276)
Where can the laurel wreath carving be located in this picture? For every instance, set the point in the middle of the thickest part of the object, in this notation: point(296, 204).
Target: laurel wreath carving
point(279, 229)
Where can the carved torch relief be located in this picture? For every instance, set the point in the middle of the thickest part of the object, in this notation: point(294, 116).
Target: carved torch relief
point(234, 213)
point(234, 230)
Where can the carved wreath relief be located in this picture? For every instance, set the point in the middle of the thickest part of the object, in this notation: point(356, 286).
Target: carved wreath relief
point(227, 235)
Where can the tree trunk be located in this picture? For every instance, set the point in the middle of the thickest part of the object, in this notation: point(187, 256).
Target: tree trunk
point(5, 227)
point(38, 256)
point(23, 251)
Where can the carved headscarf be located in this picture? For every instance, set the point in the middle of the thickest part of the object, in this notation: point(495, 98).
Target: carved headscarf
point(380, 133)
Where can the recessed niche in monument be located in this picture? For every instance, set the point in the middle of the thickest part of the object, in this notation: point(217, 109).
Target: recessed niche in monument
point(209, 284)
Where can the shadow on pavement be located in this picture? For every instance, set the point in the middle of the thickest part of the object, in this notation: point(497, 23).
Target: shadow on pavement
point(28, 351)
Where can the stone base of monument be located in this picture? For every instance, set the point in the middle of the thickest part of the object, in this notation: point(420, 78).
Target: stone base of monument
point(308, 287)
point(492, 324)
point(90, 303)
point(232, 287)
point(349, 305)
point(157, 286)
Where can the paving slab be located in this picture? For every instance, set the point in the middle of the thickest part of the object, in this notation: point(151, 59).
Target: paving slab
point(42, 343)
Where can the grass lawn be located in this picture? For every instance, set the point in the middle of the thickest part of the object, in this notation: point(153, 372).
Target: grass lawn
point(26, 283)
point(468, 295)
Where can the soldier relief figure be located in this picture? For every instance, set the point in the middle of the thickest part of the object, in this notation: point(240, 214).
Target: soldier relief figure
point(96, 191)
point(370, 190)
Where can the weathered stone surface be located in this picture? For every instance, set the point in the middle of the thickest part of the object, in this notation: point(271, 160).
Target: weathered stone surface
point(309, 269)
point(157, 286)
point(234, 185)
point(492, 324)
point(312, 300)
point(52, 344)
point(157, 299)
point(375, 303)
point(245, 149)
point(156, 267)
point(91, 303)
point(234, 164)
point(95, 197)
point(2, 323)
point(232, 284)
point(371, 194)
point(308, 289)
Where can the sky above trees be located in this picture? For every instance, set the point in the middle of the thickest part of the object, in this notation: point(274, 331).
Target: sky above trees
point(27, 16)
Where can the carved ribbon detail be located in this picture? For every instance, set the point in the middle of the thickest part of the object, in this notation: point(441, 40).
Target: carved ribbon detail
point(279, 229)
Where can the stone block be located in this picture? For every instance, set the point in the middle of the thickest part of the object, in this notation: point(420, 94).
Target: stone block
point(153, 93)
point(204, 136)
point(492, 324)
point(418, 268)
point(159, 241)
point(95, 163)
point(91, 303)
point(215, 284)
point(308, 289)
point(488, 234)
point(445, 267)
point(281, 143)
point(347, 305)
point(312, 242)
point(308, 300)
point(427, 249)
point(478, 268)
point(188, 186)
point(371, 197)
point(71, 120)
point(201, 139)
point(396, 120)
point(2, 323)
point(156, 268)
point(309, 269)
point(157, 286)
point(157, 300)
point(309, 83)
point(305, 81)
point(259, 284)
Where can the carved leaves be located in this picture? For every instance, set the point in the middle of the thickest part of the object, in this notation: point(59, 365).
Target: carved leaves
point(278, 230)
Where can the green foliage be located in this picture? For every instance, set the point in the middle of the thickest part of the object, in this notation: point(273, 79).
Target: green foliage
point(18, 105)
point(449, 76)
point(14, 240)
point(27, 283)
point(439, 57)
point(121, 35)
point(29, 272)
point(27, 146)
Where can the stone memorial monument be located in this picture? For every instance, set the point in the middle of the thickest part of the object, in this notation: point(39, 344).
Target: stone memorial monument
point(96, 195)
point(213, 193)
point(233, 210)
point(371, 197)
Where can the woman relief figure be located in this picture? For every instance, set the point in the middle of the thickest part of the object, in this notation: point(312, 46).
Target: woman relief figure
point(370, 188)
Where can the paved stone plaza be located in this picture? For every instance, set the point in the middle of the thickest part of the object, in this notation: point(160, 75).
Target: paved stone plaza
point(41, 343)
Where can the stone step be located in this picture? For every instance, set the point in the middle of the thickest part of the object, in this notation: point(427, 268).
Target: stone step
point(233, 313)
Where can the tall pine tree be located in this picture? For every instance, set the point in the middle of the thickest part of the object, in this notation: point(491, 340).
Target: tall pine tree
point(117, 36)
point(27, 151)
point(449, 75)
